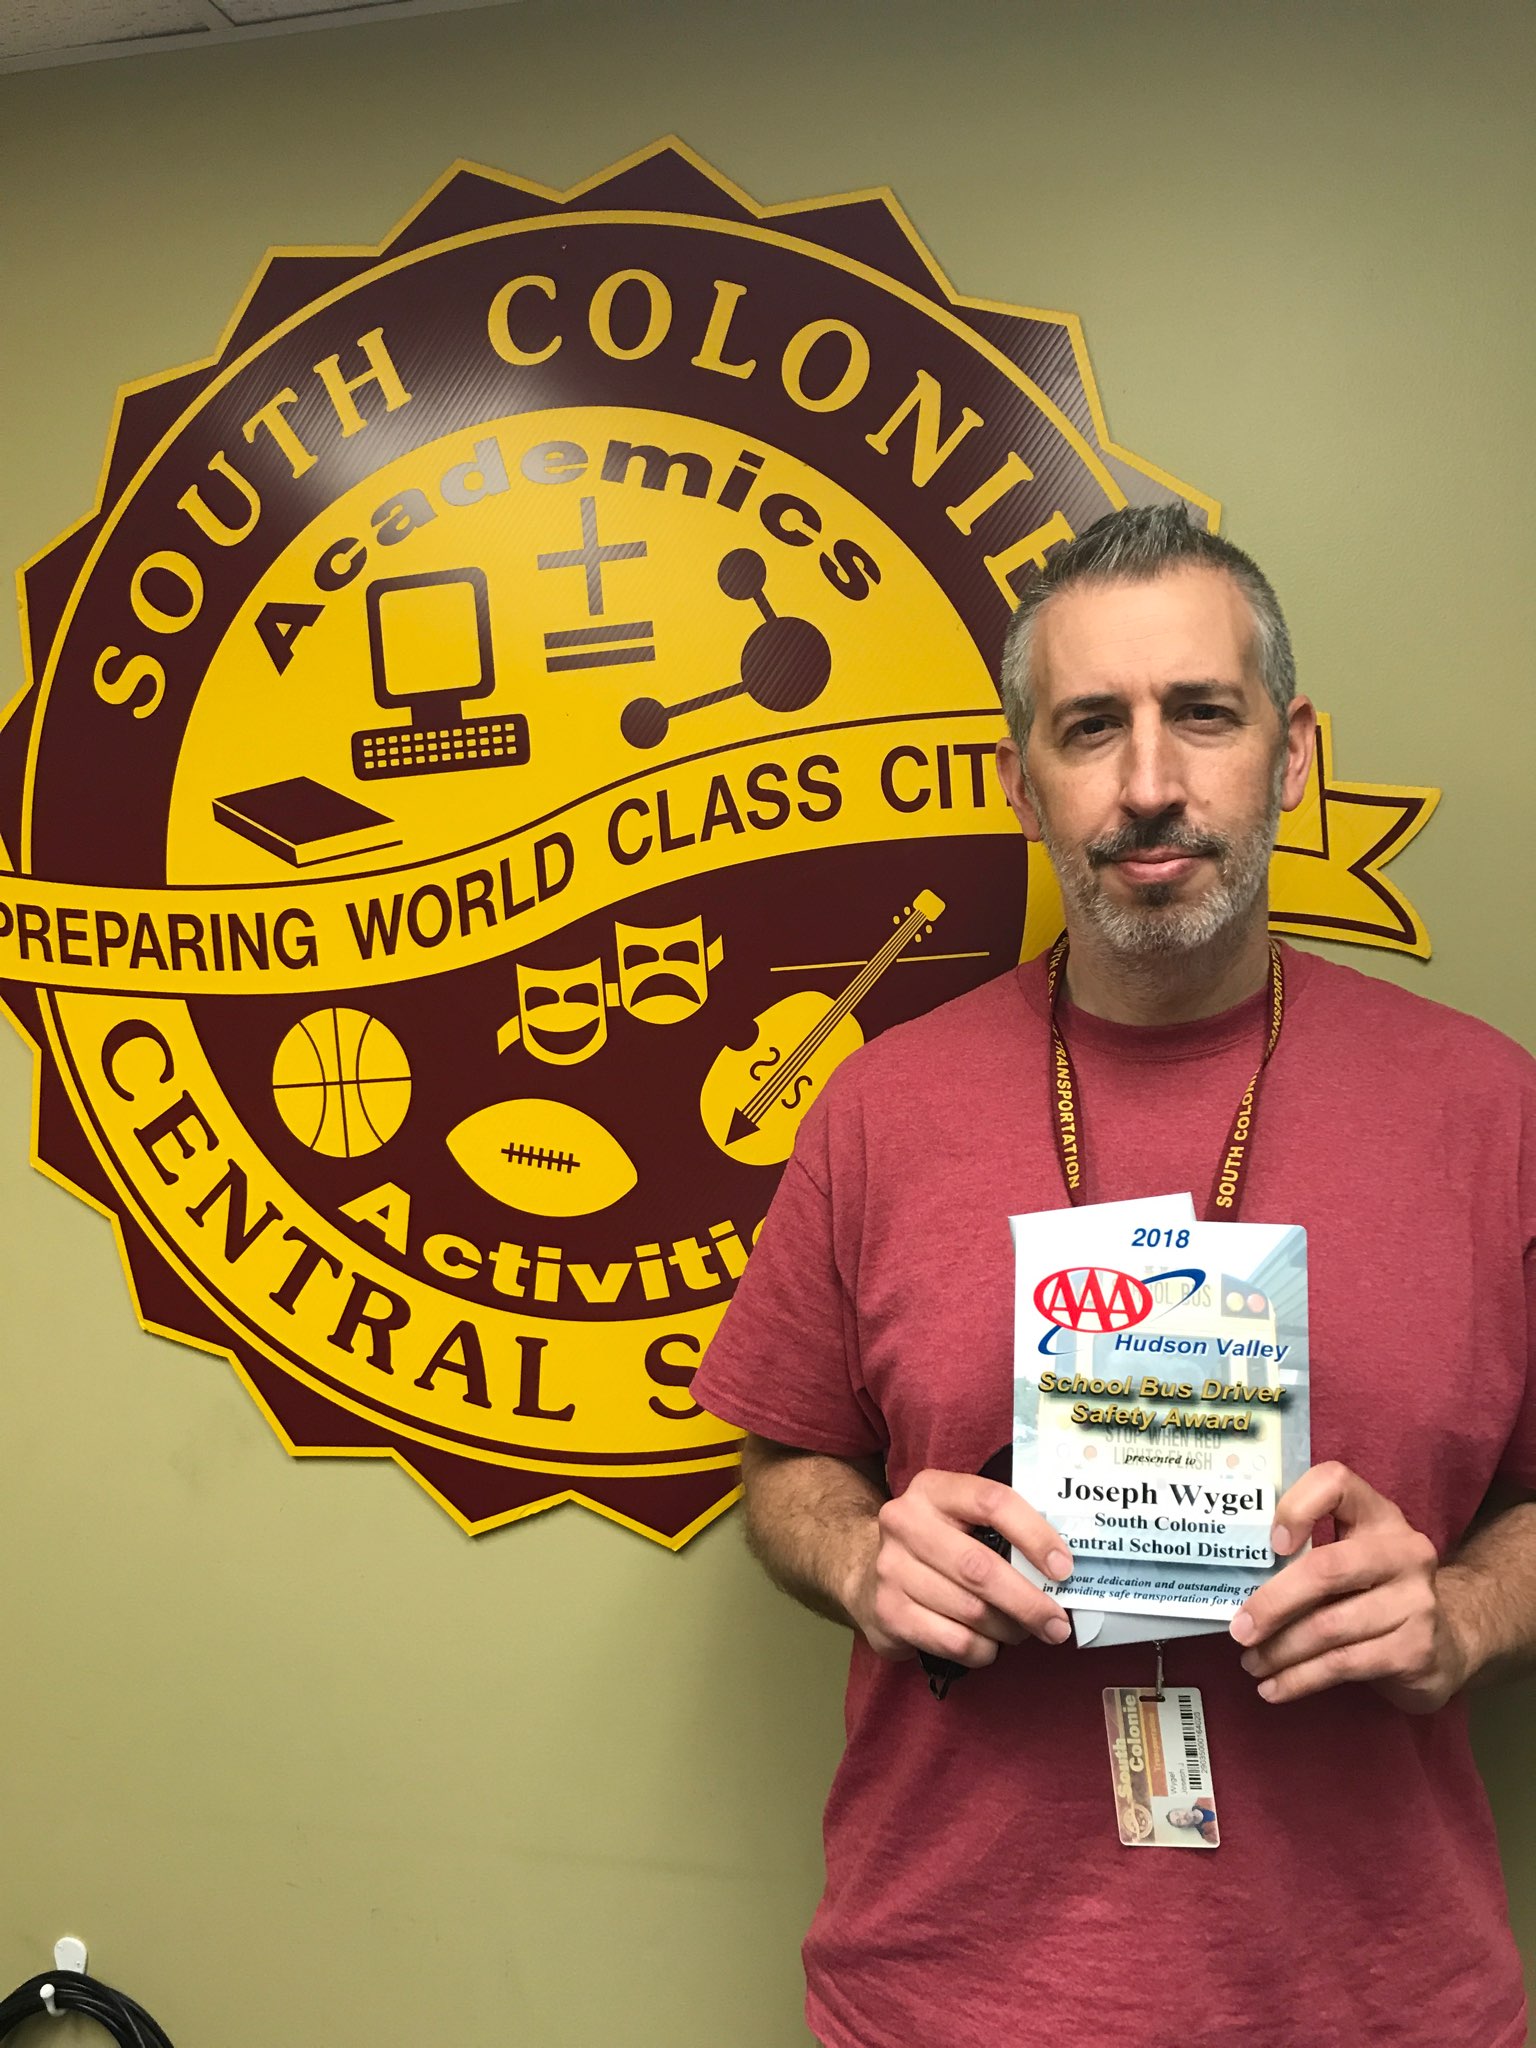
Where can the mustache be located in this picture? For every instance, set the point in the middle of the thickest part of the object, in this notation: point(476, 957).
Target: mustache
point(1144, 835)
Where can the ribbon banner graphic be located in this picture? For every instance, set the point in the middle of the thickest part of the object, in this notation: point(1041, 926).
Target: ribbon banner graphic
point(519, 715)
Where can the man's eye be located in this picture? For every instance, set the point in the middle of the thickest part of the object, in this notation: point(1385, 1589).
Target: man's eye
point(1207, 714)
point(1088, 729)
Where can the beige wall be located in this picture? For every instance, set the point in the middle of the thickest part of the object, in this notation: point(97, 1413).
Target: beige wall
point(304, 1763)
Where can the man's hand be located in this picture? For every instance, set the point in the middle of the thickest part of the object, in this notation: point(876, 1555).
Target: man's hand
point(1366, 1607)
point(925, 1583)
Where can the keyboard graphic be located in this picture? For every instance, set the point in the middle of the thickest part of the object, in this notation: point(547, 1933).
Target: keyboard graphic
point(495, 742)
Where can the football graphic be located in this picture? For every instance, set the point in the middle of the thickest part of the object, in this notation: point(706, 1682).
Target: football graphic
point(544, 1158)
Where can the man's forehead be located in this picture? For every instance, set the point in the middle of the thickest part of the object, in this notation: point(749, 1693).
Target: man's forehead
point(1190, 624)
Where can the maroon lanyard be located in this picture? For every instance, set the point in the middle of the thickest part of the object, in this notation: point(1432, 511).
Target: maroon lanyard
point(1232, 1174)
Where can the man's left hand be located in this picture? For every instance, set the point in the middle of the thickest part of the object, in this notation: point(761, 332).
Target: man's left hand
point(1364, 1607)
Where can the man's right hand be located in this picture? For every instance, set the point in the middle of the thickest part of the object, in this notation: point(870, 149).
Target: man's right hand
point(925, 1583)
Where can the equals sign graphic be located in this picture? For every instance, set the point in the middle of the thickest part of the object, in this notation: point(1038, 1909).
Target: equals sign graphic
point(600, 646)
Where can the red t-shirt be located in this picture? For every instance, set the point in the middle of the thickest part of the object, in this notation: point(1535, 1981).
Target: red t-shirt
point(977, 1894)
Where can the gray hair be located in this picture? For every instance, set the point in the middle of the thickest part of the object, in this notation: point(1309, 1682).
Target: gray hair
point(1134, 546)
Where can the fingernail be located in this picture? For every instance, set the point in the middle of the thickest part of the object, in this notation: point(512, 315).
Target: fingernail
point(1058, 1630)
point(1267, 1690)
point(1279, 1539)
point(1241, 1627)
point(1249, 1661)
point(1059, 1565)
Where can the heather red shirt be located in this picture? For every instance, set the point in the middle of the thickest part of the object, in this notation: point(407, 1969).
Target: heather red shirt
point(977, 1894)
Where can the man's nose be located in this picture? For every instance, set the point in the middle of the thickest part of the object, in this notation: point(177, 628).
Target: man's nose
point(1152, 780)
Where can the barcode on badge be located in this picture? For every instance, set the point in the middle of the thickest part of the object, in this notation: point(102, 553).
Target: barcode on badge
point(1191, 1730)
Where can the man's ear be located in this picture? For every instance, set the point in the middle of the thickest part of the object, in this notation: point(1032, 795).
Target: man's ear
point(1300, 749)
point(1010, 773)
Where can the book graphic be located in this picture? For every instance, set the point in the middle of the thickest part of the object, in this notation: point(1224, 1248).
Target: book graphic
point(303, 822)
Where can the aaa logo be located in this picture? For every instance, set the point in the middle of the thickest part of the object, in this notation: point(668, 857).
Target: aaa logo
point(1098, 1299)
point(1093, 1298)
point(519, 716)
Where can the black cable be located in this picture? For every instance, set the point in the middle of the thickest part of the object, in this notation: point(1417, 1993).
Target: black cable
point(128, 2024)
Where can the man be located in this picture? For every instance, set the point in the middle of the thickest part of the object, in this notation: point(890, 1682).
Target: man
point(977, 1894)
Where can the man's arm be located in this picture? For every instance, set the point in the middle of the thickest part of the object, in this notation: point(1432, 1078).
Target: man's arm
point(1377, 1604)
point(1489, 1592)
point(906, 1573)
point(810, 1520)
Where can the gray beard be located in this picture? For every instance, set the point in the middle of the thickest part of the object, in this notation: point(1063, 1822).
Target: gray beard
point(1155, 927)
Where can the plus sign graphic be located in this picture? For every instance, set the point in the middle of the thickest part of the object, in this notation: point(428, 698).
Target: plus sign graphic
point(591, 556)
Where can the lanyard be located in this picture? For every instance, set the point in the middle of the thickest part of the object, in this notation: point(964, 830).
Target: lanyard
point(1232, 1174)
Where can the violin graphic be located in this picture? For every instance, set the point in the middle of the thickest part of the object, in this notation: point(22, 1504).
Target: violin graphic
point(752, 1102)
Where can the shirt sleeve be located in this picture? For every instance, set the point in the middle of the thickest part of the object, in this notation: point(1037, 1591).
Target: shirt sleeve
point(1518, 1465)
point(784, 1362)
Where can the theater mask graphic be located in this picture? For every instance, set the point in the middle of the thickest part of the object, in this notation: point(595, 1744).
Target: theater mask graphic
point(663, 970)
point(563, 1012)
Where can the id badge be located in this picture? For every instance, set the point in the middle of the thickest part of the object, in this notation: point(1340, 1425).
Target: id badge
point(1161, 1767)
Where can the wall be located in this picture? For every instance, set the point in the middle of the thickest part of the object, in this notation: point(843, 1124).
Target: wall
point(305, 1763)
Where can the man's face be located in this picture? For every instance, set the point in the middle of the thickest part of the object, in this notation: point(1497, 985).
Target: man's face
point(1157, 766)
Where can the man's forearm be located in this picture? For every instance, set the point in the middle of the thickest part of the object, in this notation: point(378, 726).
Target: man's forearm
point(1488, 1591)
point(811, 1521)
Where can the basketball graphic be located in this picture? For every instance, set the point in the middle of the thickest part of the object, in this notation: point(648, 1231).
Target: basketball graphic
point(342, 1083)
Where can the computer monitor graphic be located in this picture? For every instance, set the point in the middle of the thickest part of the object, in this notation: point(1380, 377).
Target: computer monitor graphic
point(429, 648)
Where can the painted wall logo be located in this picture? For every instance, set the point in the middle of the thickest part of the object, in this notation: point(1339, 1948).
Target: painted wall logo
point(517, 718)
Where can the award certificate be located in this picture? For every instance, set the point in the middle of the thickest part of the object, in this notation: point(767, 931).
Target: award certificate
point(1160, 1400)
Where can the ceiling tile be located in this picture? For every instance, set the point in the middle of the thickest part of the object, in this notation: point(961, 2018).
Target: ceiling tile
point(29, 27)
point(243, 12)
point(38, 33)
